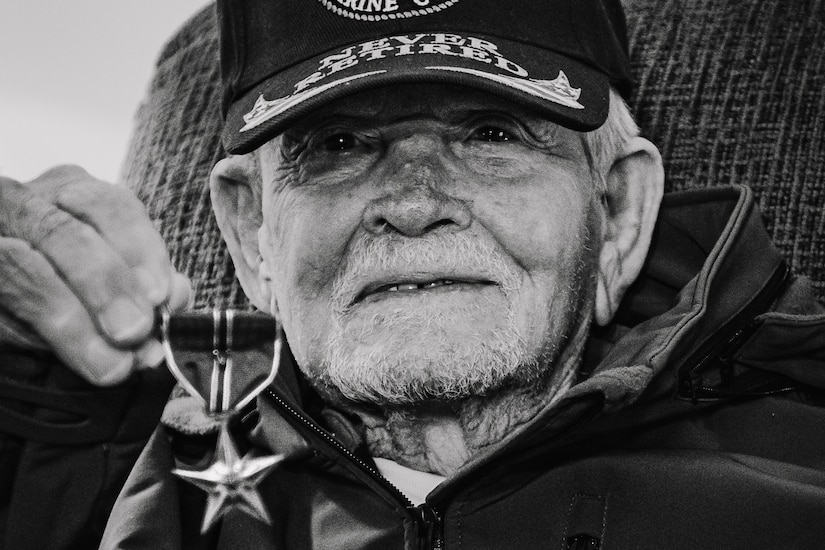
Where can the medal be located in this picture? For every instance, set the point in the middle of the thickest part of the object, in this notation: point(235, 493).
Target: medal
point(233, 344)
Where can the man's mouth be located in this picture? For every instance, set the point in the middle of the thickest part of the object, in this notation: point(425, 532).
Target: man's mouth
point(415, 286)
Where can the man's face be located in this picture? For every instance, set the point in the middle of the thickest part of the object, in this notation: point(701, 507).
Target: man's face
point(428, 242)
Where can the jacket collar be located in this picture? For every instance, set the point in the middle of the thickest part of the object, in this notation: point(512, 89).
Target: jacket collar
point(710, 261)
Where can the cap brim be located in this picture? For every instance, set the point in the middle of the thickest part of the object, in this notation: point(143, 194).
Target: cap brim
point(564, 90)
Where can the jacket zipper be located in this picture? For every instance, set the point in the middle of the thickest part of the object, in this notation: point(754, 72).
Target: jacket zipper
point(429, 522)
point(426, 517)
point(690, 385)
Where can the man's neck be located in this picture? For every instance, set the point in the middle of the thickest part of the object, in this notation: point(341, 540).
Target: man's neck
point(442, 437)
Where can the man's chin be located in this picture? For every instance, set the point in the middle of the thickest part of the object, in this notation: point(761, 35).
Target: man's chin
point(392, 367)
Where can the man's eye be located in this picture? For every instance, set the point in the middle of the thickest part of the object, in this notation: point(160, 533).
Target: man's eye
point(492, 134)
point(339, 142)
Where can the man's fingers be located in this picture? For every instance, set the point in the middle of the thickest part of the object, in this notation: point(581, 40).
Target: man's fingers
point(35, 296)
point(120, 218)
point(82, 273)
point(150, 354)
point(94, 270)
point(180, 295)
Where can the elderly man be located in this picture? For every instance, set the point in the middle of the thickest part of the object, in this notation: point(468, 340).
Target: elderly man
point(444, 203)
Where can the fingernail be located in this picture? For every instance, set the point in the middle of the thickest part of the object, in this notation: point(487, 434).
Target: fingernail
point(150, 354)
point(109, 365)
point(123, 321)
point(181, 296)
point(155, 291)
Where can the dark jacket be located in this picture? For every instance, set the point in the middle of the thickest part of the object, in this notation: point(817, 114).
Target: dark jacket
point(66, 448)
point(697, 423)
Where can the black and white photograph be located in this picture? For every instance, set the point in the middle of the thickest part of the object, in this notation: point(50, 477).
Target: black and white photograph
point(412, 274)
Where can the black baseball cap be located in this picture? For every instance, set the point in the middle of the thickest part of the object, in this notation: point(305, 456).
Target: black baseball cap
point(281, 59)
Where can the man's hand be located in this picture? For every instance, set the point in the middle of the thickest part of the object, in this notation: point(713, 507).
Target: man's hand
point(82, 271)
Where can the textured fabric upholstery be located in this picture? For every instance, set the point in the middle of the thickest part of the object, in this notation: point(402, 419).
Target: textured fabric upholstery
point(731, 92)
point(174, 146)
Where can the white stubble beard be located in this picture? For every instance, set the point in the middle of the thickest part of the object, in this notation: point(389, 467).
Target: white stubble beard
point(410, 356)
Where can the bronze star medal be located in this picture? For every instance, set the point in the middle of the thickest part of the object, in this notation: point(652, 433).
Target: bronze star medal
point(228, 341)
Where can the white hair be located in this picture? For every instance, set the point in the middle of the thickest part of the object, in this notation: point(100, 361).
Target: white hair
point(607, 142)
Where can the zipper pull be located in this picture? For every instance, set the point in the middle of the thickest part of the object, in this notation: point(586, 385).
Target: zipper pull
point(429, 528)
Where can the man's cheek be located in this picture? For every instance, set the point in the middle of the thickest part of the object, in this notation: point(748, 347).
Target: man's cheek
point(557, 231)
point(279, 208)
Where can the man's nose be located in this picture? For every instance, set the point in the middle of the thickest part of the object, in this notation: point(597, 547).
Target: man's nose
point(416, 212)
point(416, 196)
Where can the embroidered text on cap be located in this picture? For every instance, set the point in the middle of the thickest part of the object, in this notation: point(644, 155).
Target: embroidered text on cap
point(382, 10)
point(436, 47)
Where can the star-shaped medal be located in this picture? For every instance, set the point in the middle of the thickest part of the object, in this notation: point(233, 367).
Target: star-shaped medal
point(225, 340)
point(231, 481)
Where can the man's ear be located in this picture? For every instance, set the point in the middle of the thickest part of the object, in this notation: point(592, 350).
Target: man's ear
point(635, 184)
point(237, 207)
